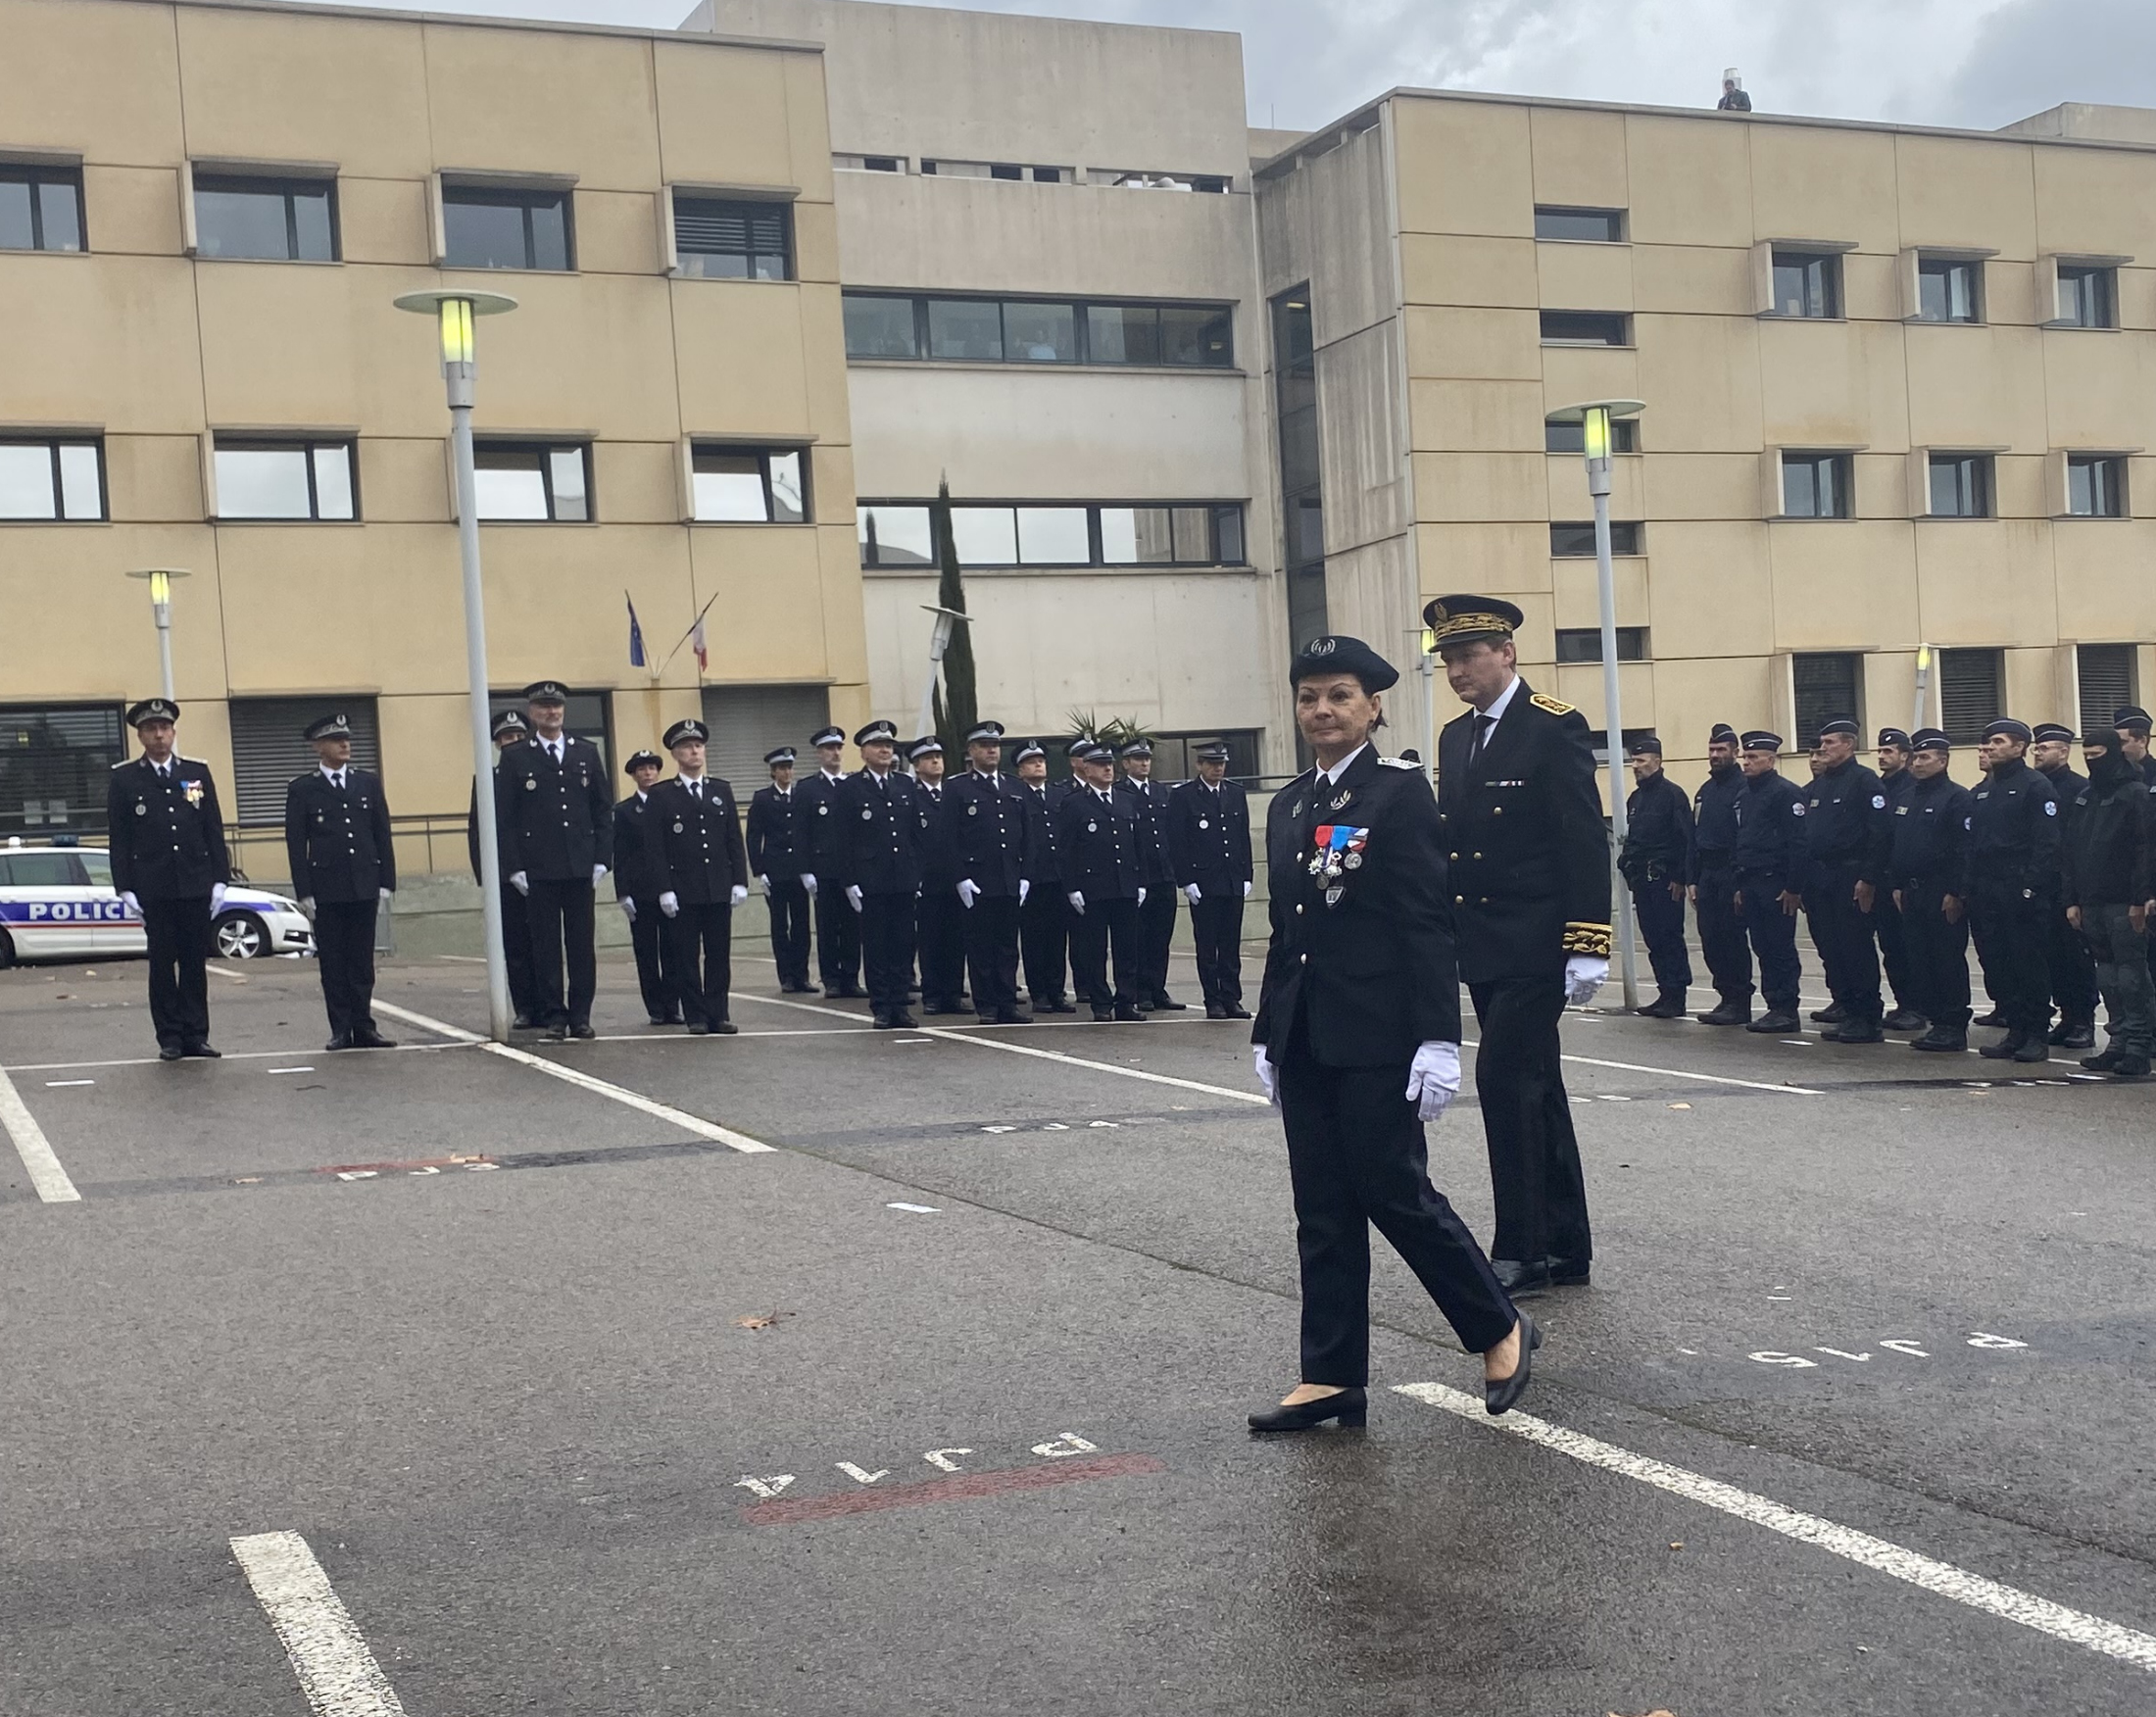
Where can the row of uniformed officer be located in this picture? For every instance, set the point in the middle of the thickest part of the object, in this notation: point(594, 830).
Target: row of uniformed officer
point(1208, 824)
point(995, 835)
point(781, 861)
point(874, 859)
point(344, 866)
point(703, 868)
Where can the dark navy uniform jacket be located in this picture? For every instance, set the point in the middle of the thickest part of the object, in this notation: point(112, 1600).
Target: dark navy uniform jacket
point(1848, 831)
point(1658, 833)
point(337, 842)
point(1362, 953)
point(1149, 799)
point(1714, 820)
point(1770, 832)
point(876, 834)
point(637, 870)
point(1097, 845)
point(701, 857)
point(2013, 829)
point(168, 834)
point(556, 819)
point(1209, 836)
point(992, 832)
point(778, 834)
point(1524, 834)
point(1927, 833)
point(2111, 843)
point(819, 796)
point(1041, 803)
point(940, 870)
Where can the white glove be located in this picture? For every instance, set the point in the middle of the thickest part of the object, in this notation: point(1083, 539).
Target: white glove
point(764, 883)
point(669, 903)
point(1077, 902)
point(217, 898)
point(1268, 1076)
point(519, 881)
point(1585, 973)
point(737, 894)
point(1141, 897)
point(808, 882)
point(1025, 887)
point(596, 872)
point(128, 899)
point(1191, 894)
point(968, 889)
point(1434, 1079)
point(307, 905)
point(628, 909)
point(852, 898)
point(386, 892)
point(1246, 891)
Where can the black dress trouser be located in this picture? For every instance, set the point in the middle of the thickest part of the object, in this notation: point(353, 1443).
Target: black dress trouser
point(1527, 1121)
point(561, 916)
point(1894, 949)
point(1938, 955)
point(991, 930)
point(1722, 939)
point(2012, 946)
point(788, 906)
point(654, 959)
point(523, 982)
point(1841, 931)
point(1217, 926)
point(178, 931)
point(1103, 925)
point(886, 929)
point(1662, 928)
point(837, 937)
point(700, 956)
point(2073, 969)
point(344, 952)
point(1043, 926)
point(1155, 935)
point(942, 942)
point(1356, 1156)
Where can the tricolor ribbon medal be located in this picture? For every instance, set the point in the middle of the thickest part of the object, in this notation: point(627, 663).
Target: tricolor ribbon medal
point(1339, 849)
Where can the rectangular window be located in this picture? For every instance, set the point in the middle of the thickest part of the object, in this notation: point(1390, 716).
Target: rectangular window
point(489, 228)
point(1807, 283)
point(869, 162)
point(1948, 290)
point(1582, 328)
point(2088, 296)
point(880, 328)
point(895, 535)
point(1027, 330)
point(55, 763)
point(720, 239)
point(985, 536)
point(1570, 540)
point(285, 480)
point(968, 329)
point(61, 480)
point(265, 218)
point(1040, 333)
point(1826, 686)
point(2105, 672)
point(1195, 336)
point(1583, 644)
point(267, 750)
point(899, 534)
point(529, 481)
point(1972, 692)
point(1571, 437)
point(750, 485)
point(1960, 485)
point(2096, 485)
point(1588, 225)
point(40, 208)
point(1055, 537)
point(1816, 485)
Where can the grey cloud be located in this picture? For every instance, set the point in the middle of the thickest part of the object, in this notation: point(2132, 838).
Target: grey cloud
point(2033, 54)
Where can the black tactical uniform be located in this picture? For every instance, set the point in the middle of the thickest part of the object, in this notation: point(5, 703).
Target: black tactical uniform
point(1769, 861)
point(639, 880)
point(2072, 967)
point(1925, 865)
point(706, 871)
point(1655, 862)
point(778, 853)
point(337, 844)
point(838, 926)
point(990, 829)
point(1098, 859)
point(875, 849)
point(2109, 870)
point(1893, 953)
point(2010, 866)
point(1209, 844)
point(1713, 879)
point(1157, 870)
point(1847, 834)
point(939, 923)
point(1044, 931)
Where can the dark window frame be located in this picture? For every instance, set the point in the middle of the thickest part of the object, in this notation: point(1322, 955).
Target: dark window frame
point(528, 198)
point(1982, 488)
point(762, 455)
point(1569, 437)
point(286, 188)
point(1835, 688)
point(25, 767)
point(38, 179)
point(2116, 685)
point(1843, 466)
point(306, 447)
point(1625, 539)
point(1084, 358)
point(747, 210)
point(2111, 488)
point(1616, 224)
point(1611, 321)
point(1222, 519)
point(1828, 265)
point(1582, 646)
point(2101, 282)
point(53, 444)
point(545, 450)
point(1945, 267)
point(1958, 672)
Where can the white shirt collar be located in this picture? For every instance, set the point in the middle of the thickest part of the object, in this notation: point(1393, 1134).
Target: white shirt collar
point(329, 774)
point(1497, 710)
point(1330, 777)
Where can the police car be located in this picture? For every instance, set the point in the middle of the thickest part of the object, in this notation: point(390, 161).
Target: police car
point(57, 903)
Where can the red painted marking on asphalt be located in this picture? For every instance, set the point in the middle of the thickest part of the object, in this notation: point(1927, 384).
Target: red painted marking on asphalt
point(391, 1168)
point(786, 1510)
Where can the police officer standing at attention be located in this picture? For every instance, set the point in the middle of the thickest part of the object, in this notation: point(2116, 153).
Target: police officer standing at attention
point(1209, 823)
point(2111, 892)
point(337, 840)
point(509, 729)
point(997, 847)
point(876, 854)
point(938, 923)
point(169, 867)
point(1924, 865)
point(838, 927)
point(1043, 927)
point(1099, 869)
point(704, 872)
point(1769, 868)
point(1895, 781)
point(779, 859)
point(2010, 866)
point(638, 882)
point(1357, 1041)
point(556, 820)
point(1655, 861)
point(2072, 968)
point(1713, 881)
point(1847, 836)
point(1530, 869)
point(1157, 913)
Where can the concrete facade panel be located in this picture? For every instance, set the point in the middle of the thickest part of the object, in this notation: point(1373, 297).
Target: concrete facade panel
point(153, 479)
point(2103, 583)
point(2094, 388)
point(1977, 387)
point(616, 233)
point(1846, 587)
point(1712, 593)
point(126, 115)
point(385, 220)
point(1456, 270)
point(1977, 579)
point(543, 102)
point(1461, 416)
point(1963, 193)
point(1816, 182)
point(724, 118)
point(1475, 345)
point(1689, 180)
point(1579, 158)
point(404, 480)
point(2100, 202)
point(739, 354)
point(1693, 279)
point(1834, 384)
point(132, 210)
point(1464, 167)
point(1499, 559)
point(117, 342)
point(1464, 488)
point(1584, 277)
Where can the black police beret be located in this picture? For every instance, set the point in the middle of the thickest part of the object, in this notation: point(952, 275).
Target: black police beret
point(1647, 743)
point(1930, 739)
point(2044, 730)
point(1342, 654)
point(643, 760)
point(2006, 727)
point(1723, 734)
point(2132, 716)
point(1760, 739)
point(1838, 724)
point(1893, 736)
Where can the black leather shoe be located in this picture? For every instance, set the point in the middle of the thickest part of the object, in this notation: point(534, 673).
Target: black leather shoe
point(1942, 1041)
point(342, 1041)
point(1236, 1010)
point(200, 1050)
point(2035, 1050)
point(854, 991)
point(2131, 1067)
point(659, 1019)
point(2007, 1048)
point(1103, 1016)
point(697, 1028)
point(725, 1028)
point(1059, 1005)
point(1834, 1014)
point(1564, 1273)
point(1500, 1397)
point(371, 1039)
point(1351, 1406)
point(1213, 1010)
point(1854, 1031)
point(555, 1034)
point(1729, 1014)
point(1994, 1017)
point(1775, 1021)
point(2074, 1036)
point(1128, 1013)
point(1905, 1019)
point(904, 1021)
point(1167, 1003)
point(1012, 1016)
point(1520, 1281)
point(582, 1031)
point(169, 1052)
point(2101, 1062)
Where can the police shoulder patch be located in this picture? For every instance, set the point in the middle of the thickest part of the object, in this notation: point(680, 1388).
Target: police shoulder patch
point(2051, 807)
point(1879, 802)
point(1553, 705)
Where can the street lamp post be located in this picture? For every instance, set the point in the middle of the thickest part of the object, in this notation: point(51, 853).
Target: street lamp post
point(454, 310)
point(1594, 418)
point(159, 580)
point(939, 641)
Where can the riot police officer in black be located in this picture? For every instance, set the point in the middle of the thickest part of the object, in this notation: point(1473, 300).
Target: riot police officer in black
point(344, 868)
point(779, 859)
point(1925, 867)
point(1712, 881)
point(1654, 864)
point(1769, 871)
point(1847, 835)
point(2009, 868)
point(2072, 967)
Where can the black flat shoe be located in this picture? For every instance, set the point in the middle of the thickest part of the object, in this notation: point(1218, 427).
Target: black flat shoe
point(1729, 1014)
point(1011, 1016)
point(1127, 1013)
point(699, 1029)
point(166, 1052)
point(1213, 1010)
point(1565, 1273)
point(1500, 1397)
point(1059, 1005)
point(1103, 1016)
point(1167, 1003)
point(1832, 1014)
point(371, 1039)
point(2074, 1036)
point(1995, 1018)
point(582, 1031)
point(725, 1028)
point(1351, 1406)
point(1905, 1019)
point(1940, 1041)
point(201, 1051)
point(1774, 1022)
point(1520, 1281)
point(1236, 1010)
point(342, 1041)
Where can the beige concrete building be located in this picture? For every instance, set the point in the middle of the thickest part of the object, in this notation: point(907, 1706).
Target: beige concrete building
point(206, 209)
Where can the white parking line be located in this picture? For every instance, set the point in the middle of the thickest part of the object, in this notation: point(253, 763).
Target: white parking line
point(666, 1112)
point(2093, 1633)
point(47, 1177)
point(337, 1672)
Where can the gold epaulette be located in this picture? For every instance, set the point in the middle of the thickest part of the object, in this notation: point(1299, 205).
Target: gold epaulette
point(1587, 939)
point(1555, 706)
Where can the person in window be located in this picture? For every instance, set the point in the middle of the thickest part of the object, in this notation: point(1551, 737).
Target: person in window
point(1733, 99)
point(344, 867)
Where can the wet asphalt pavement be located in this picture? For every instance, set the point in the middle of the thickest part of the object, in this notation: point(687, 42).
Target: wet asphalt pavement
point(937, 1407)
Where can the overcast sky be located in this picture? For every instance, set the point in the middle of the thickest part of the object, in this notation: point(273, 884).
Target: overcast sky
point(1977, 63)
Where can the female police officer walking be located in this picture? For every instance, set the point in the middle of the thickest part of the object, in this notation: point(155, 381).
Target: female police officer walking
point(1357, 1042)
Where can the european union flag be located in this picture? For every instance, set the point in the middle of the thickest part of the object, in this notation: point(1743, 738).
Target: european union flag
point(636, 634)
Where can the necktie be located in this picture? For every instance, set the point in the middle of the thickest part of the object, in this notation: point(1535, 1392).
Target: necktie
point(338, 779)
point(696, 789)
point(1483, 724)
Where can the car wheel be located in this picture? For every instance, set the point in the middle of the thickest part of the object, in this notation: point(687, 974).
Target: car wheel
point(6, 950)
point(242, 936)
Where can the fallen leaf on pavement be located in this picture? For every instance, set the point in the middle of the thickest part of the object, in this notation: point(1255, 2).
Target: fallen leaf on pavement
point(760, 1320)
point(1676, 1544)
point(1680, 1106)
point(1656, 1713)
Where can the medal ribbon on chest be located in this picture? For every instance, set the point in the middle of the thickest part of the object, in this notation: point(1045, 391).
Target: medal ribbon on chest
point(1339, 847)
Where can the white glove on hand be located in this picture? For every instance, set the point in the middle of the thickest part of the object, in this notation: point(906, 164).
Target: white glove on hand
point(1025, 887)
point(967, 891)
point(1141, 897)
point(128, 899)
point(737, 894)
point(1268, 1076)
point(1077, 902)
point(1247, 887)
point(386, 892)
point(852, 898)
point(1585, 973)
point(307, 905)
point(596, 872)
point(217, 898)
point(808, 882)
point(764, 883)
point(628, 909)
point(1434, 1079)
point(1191, 894)
point(669, 903)
point(519, 882)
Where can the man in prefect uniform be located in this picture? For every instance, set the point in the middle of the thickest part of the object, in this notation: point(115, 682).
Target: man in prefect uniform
point(638, 882)
point(1654, 864)
point(1044, 930)
point(876, 854)
point(344, 868)
point(1925, 867)
point(171, 866)
point(1209, 844)
point(1157, 915)
point(997, 848)
point(838, 926)
point(940, 917)
point(1713, 881)
point(2010, 867)
point(556, 820)
point(2072, 967)
point(2111, 892)
point(779, 859)
point(1530, 869)
point(704, 870)
point(1099, 871)
point(1769, 867)
point(509, 729)
point(1847, 836)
